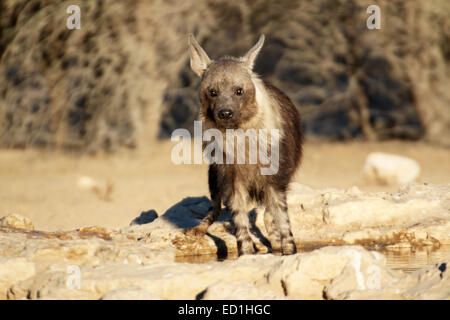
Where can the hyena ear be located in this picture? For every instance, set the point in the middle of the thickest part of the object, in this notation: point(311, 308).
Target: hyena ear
point(199, 59)
point(250, 56)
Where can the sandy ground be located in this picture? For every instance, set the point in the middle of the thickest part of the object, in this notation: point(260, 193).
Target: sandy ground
point(44, 186)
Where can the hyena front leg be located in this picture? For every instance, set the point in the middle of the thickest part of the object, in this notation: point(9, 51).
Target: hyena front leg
point(238, 207)
point(272, 231)
point(215, 189)
point(213, 214)
point(276, 204)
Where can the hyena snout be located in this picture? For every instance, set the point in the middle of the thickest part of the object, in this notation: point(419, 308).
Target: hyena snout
point(225, 114)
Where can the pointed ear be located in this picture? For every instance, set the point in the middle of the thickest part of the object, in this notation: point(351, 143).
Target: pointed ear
point(250, 56)
point(199, 59)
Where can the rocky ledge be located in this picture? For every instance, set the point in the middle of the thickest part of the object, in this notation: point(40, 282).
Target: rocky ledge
point(142, 261)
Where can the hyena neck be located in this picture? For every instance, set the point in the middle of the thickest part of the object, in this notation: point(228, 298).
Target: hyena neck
point(268, 114)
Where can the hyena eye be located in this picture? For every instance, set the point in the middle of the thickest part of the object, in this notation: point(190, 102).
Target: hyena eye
point(213, 93)
point(239, 91)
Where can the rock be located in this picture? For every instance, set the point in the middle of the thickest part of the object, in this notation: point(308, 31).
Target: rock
point(376, 211)
point(427, 283)
point(331, 272)
point(167, 280)
point(12, 271)
point(430, 283)
point(16, 221)
point(238, 290)
point(383, 168)
point(88, 183)
point(305, 276)
point(327, 216)
point(103, 192)
point(364, 272)
point(131, 293)
point(168, 229)
point(140, 261)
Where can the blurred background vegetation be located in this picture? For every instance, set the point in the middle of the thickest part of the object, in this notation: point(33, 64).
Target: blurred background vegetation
point(123, 79)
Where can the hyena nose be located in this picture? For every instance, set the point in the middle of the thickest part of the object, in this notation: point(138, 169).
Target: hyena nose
point(225, 114)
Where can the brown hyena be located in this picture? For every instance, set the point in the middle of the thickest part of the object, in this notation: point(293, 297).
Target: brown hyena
point(232, 96)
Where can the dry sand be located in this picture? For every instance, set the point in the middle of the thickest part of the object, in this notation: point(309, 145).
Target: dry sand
point(44, 186)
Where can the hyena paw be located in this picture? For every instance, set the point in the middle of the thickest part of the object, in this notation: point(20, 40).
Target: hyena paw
point(246, 247)
point(275, 244)
point(288, 247)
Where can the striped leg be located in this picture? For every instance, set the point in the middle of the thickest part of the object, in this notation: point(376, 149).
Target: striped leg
point(215, 209)
point(238, 207)
point(272, 231)
point(276, 204)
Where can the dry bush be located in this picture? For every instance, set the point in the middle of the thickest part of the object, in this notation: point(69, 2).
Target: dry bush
point(124, 78)
point(347, 80)
point(72, 89)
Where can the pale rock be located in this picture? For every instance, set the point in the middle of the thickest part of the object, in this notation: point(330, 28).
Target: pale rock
point(330, 272)
point(304, 276)
point(383, 168)
point(376, 212)
point(238, 290)
point(17, 221)
point(12, 271)
point(140, 260)
point(167, 280)
point(365, 272)
point(354, 191)
point(87, 183)
point(103, 192)
point(318, 217)
point(130, 293)
point(430, 283)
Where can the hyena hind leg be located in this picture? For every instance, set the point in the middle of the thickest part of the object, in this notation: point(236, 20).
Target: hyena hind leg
point(272, 231)
point(276, 204)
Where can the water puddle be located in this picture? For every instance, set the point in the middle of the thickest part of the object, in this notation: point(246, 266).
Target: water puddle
point(409, 259)
point(405, 259)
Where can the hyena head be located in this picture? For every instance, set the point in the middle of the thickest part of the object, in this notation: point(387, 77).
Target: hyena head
point(227, 92)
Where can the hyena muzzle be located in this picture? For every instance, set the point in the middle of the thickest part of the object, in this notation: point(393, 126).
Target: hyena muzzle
point(232, 96)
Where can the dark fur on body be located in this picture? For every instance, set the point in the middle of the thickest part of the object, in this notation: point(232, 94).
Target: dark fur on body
point(230, 84)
